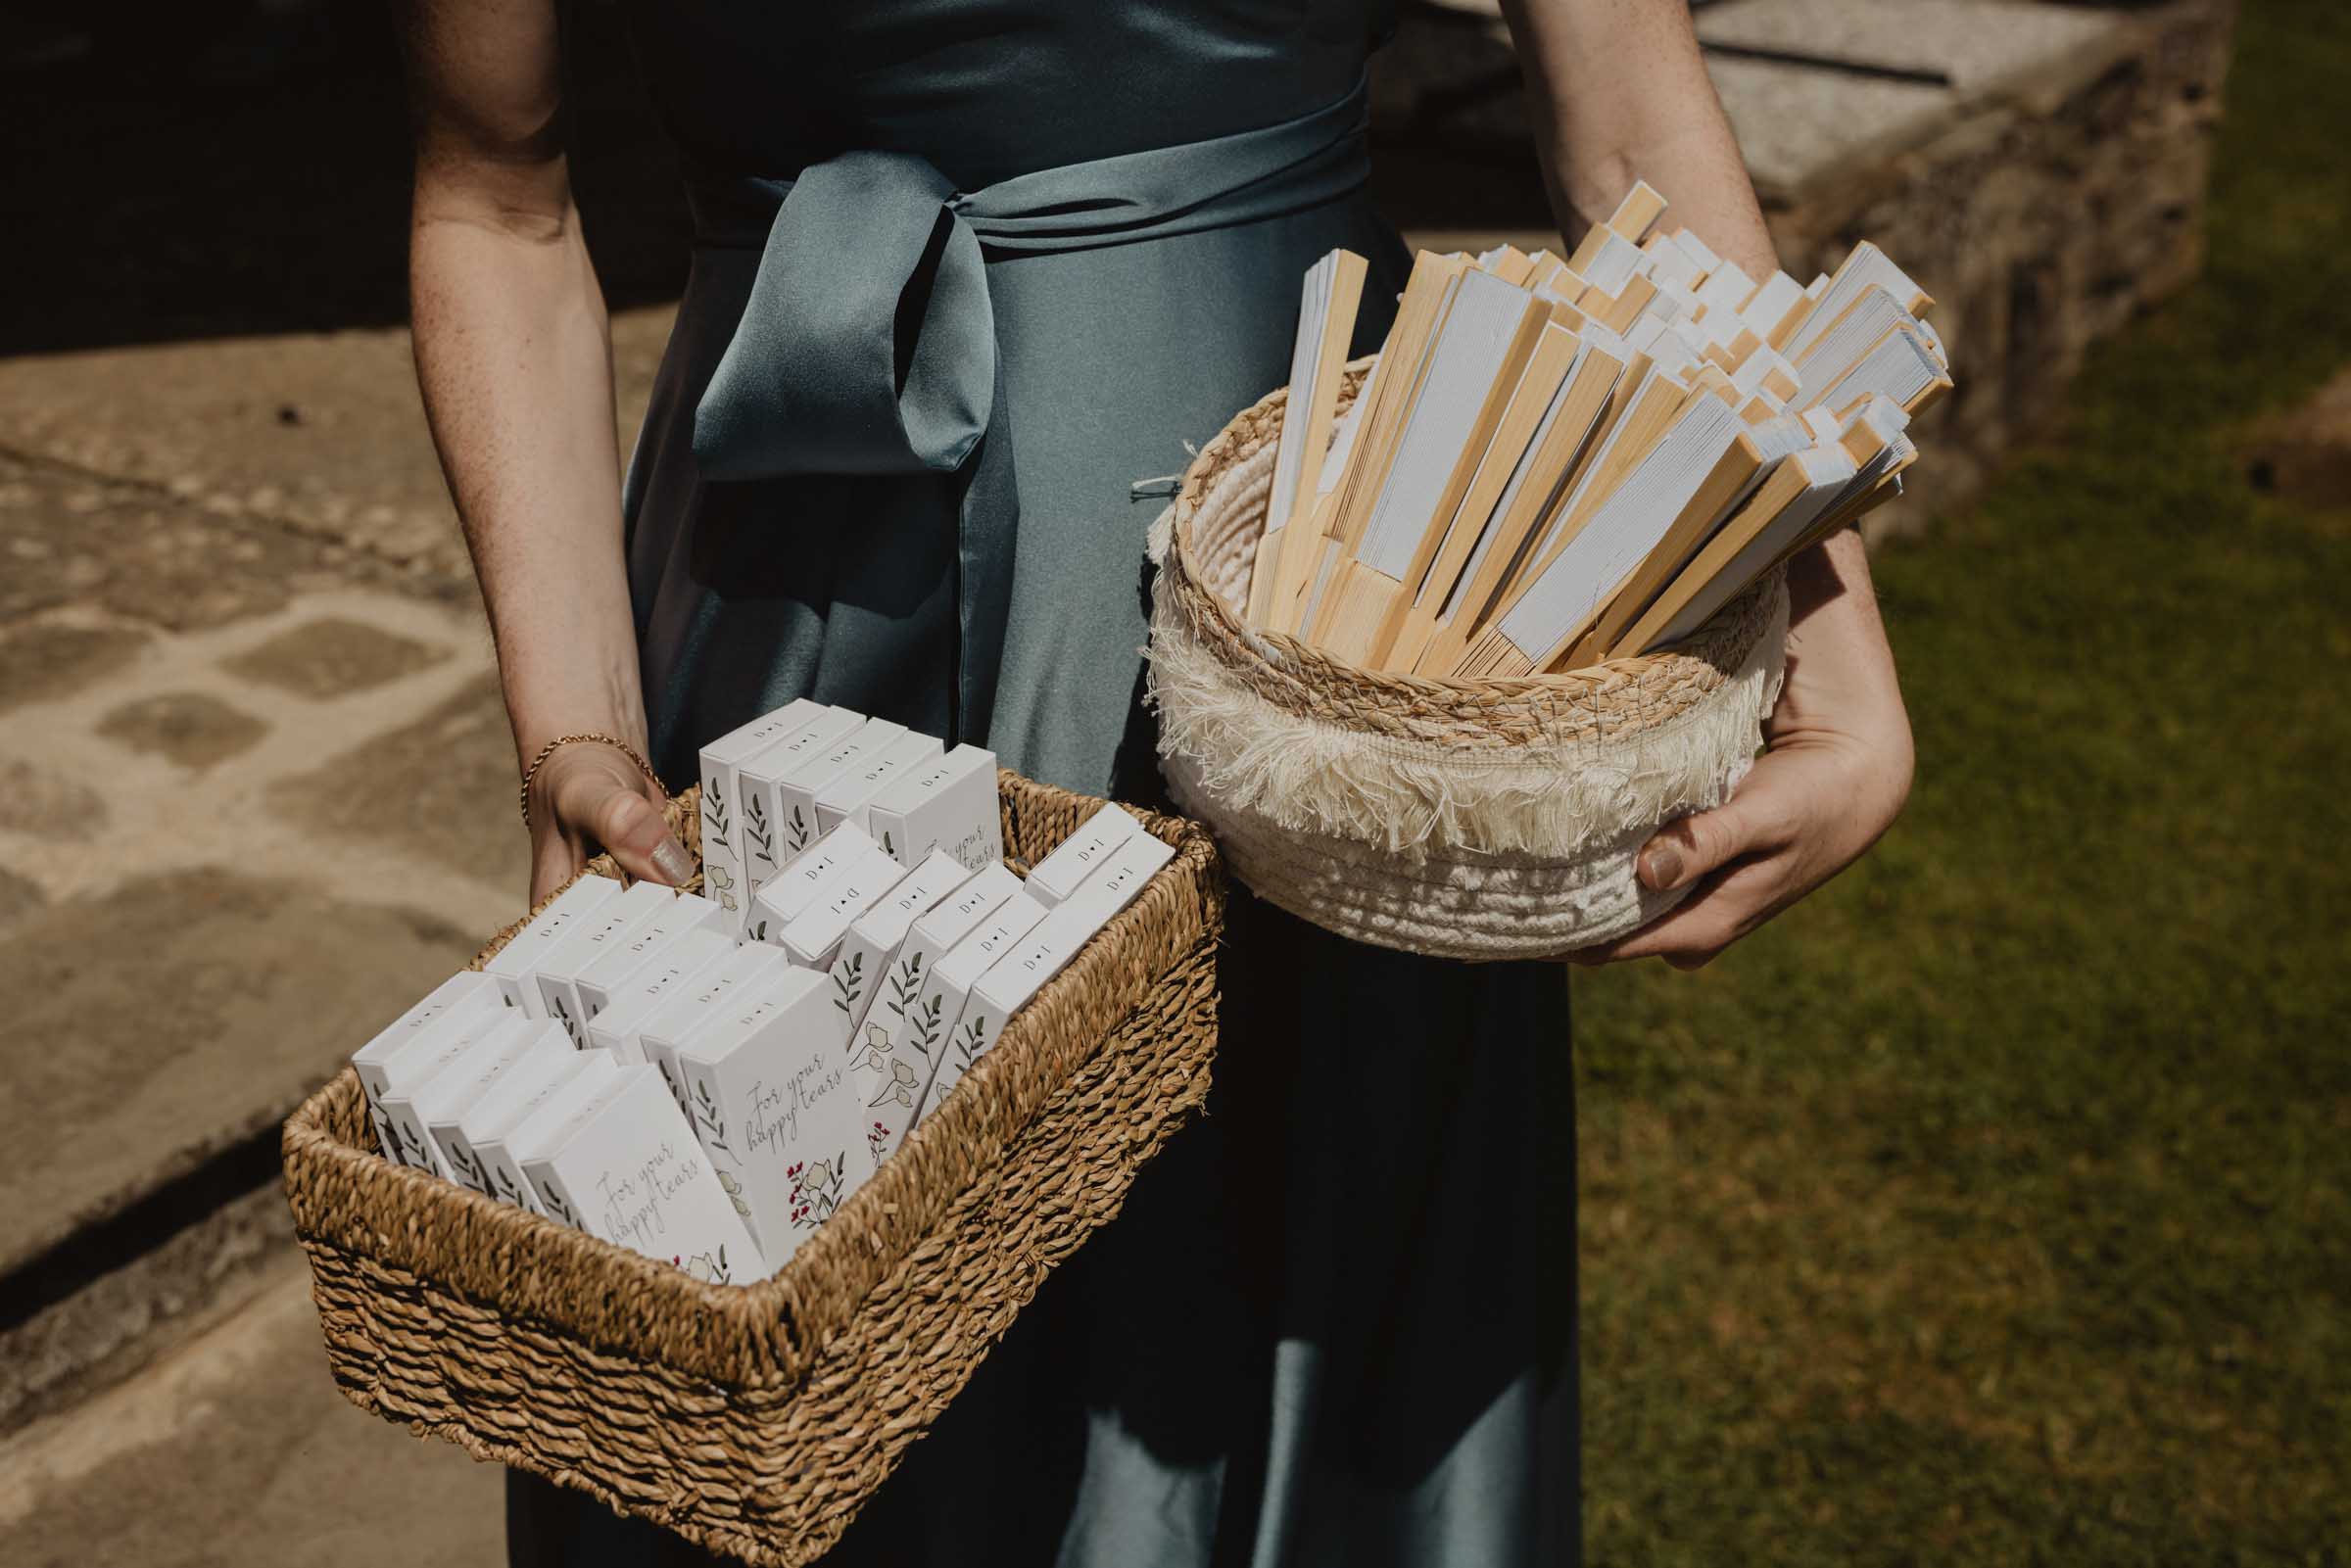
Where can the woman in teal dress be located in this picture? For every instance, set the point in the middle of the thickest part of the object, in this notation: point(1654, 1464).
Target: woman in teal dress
point(964, 273)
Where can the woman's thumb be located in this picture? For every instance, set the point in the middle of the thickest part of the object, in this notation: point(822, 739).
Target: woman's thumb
point(637, 836)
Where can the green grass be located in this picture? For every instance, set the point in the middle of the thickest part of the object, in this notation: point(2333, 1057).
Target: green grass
point(1994, 1206)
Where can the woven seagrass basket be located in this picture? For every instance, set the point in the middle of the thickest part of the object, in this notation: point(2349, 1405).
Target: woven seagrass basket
point(1494, 818)
point(755, 1420)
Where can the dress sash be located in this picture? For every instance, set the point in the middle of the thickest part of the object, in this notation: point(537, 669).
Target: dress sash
point(868, 345)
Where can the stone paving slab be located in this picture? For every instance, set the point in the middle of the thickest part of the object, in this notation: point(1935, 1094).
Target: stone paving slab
point(177, 1014)
point(206, 902)
point(320, 430)
point(238, 1452)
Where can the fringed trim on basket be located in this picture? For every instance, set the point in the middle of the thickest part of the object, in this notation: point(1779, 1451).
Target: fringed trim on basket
point(1306, 775)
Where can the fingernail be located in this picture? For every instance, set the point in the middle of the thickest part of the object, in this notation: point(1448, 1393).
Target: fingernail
point(1663, 868)
point(672, 862)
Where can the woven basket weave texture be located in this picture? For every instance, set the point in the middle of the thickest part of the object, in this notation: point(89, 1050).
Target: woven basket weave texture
point(755, 1420)
point(1492, 819)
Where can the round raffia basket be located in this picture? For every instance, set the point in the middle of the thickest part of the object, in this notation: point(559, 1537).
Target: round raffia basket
point(1492, 819)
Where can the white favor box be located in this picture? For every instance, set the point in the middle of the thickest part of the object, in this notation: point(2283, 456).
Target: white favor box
point(1040, 955)
point(543, 1056)
point(814, 935)
point(897, 1009)
point(466, 992)
point(803, 881)
point(722, 812)
point(847, 797)
point(614, 1030)
point(629, 1172)
point(513, 963)
point(456, 1057)
point(769, 1093)
point(769, 839)
point(950, 805)
point(797, 790)
point(871, 948)
point(544, 1115)
point(741, 973)
point(930, 1031)
point(1059, 874)
point(604, 976)
point(610, 925)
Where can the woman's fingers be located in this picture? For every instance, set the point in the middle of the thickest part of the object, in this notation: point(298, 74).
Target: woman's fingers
point(1725, 908)
point(636, 834)
point(598, 800)
point(1744, 859)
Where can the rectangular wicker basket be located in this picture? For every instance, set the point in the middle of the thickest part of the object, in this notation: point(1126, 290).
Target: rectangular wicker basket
point(757, 1419)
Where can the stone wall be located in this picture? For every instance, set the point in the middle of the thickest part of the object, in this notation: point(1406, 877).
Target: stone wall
point(2039, 169)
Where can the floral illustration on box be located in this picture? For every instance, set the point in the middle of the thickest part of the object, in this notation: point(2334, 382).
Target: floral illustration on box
point(710, 1270)
point(899, 1086)
point(757, 837)
point(707, 1122)
point(721, 883)
point(925, 1027)
point(757, 933)
point(906, 982)
point(848, 978)
point(798, 825)
point(715, 825)
point(968, 1040)
point(876, 1141)
point(815, 1191)
point(734, 1192)
point(871, 1057)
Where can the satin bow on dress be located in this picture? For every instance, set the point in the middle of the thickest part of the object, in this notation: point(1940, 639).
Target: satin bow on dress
point(868, 346)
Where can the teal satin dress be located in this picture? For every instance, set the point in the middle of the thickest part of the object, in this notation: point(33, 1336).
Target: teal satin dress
point(965, 274)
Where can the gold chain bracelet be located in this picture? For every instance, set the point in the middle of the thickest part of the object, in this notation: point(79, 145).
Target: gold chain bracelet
point(523, 795)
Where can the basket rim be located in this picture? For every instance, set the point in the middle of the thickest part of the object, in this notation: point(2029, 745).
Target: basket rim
point(763, 1334)
point(1230, 446)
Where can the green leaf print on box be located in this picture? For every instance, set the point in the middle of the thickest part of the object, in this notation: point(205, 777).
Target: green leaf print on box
point(799, 828)
point(715, 825)
point(707, 1122)
point(468, 1166)
point(757, 835)
point(905, 982)
point(849, 980)
point(815, 1190)
point(927, 1025)
point(556, 1207)
point(968, 1036)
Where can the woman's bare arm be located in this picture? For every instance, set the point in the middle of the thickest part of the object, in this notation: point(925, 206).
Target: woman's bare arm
point(1620, 93)
point(514, 360)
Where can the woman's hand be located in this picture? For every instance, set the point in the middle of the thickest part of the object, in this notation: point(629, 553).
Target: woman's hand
point(1835, 777)
point(588, 796)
